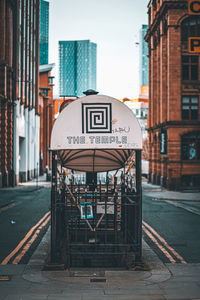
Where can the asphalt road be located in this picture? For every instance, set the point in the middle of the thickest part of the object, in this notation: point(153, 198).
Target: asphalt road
point(171, 231)
point(178, 228)
point(24, 219)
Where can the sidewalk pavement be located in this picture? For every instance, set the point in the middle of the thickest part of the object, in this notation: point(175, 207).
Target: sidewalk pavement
point(189, 201)
point(9, 195)
point(157, 282)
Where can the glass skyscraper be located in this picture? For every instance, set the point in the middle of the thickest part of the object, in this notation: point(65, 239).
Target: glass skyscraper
point(143, 57)
point(77, 67)
point(44, 32)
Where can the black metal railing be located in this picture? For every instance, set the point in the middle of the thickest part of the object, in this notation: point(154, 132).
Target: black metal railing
point(96, 225)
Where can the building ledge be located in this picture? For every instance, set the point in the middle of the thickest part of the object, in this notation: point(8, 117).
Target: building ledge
point(46, 68)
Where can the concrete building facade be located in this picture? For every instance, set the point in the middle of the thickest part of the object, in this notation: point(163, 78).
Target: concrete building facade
point(174, 96)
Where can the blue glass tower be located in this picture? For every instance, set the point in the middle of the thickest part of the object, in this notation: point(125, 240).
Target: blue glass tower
point(44, 32)
point(143, 57)
point(77, 67)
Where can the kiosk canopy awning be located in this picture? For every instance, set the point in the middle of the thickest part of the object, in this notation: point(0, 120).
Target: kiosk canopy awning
point(95, 134)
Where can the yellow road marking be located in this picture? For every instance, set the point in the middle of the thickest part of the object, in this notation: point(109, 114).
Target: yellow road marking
point(166, 253)
point(165, 243)
point(28, 245)
point(19, 246)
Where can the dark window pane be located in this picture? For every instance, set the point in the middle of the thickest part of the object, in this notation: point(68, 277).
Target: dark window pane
point(194, 114)
point(185, 114)
point(198, 29)
point(185, 73)
point(184, 34)
point(184, 151)
point(185, 59)
point(198, 149)
point(194, 59)
point(193, 29)
point(194, 72)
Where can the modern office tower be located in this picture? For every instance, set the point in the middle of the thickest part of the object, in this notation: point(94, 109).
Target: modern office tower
point(174, 95)
point(44, 32)
point(143, 48)
point(77, 67)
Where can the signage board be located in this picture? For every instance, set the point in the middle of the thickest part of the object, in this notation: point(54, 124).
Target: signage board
point(96, 122)
point(194, 7)
point(103, 208)
point(96, 133)
point(194, 44)
point(163, 141)
point(86, 211)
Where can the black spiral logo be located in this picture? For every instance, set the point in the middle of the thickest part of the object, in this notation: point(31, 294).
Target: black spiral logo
point(96, 118)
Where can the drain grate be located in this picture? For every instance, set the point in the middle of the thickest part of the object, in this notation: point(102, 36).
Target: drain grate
point(97, 279)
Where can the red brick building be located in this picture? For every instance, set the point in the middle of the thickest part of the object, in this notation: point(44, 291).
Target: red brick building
point(46, 112)
point(7, 38)
point(19, 68)
point(60, 103)
point(18, 76)
point(174, 95)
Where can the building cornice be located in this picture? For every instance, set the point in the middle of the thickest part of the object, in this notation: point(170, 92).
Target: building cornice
point(167, 5)
point(46, 68)
point(182, 124)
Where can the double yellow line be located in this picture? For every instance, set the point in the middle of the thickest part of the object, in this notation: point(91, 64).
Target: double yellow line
point(33, 233)
point(161, 243)
point(27, 241)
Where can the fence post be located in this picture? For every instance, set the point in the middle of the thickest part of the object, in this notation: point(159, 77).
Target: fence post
point(53, 206)
point(139, 203)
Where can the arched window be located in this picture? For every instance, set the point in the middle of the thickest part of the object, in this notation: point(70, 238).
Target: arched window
point(190, 27)
point(190, 146)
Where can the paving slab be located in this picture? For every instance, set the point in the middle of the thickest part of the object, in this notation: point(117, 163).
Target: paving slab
point(12, 269)
point(184, 269)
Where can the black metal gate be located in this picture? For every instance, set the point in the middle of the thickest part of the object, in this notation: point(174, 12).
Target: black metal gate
point(96, 225)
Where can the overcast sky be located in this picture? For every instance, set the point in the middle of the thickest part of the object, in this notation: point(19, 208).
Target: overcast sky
point(114, 26)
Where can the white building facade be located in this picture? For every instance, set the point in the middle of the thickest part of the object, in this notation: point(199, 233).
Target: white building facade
point(26, 143)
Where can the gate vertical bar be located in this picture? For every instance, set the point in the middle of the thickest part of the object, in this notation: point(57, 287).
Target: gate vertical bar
point(139, 203)
point(53, 206)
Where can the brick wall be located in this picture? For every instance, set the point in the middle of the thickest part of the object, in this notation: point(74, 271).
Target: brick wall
point(165, 93)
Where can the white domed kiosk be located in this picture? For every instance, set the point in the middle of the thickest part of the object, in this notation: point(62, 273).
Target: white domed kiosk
point(94, 134)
